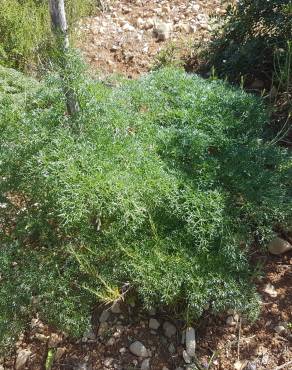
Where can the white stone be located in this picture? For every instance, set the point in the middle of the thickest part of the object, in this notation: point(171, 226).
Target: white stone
point(230, 321)
point(128, 27)
point(154, 324)
point(169, 329)
point(145, 365)
point(191, 341)
point(186, 357)
point(161, 31)
point(22, 358)
point(270, 289)
point(240, 365)
point(138, 349)
point(108, 361)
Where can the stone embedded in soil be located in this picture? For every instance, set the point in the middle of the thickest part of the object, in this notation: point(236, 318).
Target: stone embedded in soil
point(90, 335)
point(55, 340)
point(123, 350)
point(270, 289)
point(108, 361)
point(162, 31)
point(145, 365)
point(103, 327)
point(154, 324)
point(110, 342)
point(191, 341)
point(104, 316)
point(186, 357)
point(279, 329)
point(240, 365)
point(279, 246)
point(115, 308)
point(22, 359)
point(171, 348)
point(169, 329)
point(138, 349)
point(230, 321)
point(59, 353)
point(250, 366)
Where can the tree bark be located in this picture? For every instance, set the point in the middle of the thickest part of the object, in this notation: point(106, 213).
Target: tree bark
point(60, 30)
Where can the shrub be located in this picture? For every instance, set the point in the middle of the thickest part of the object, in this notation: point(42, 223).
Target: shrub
point(251, 33)
point(25, 35)
point(158, 188)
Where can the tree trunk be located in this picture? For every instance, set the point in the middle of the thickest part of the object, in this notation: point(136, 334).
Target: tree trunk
point(60, 30)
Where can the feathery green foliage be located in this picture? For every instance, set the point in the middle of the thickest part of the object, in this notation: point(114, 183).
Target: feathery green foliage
point(158, 186)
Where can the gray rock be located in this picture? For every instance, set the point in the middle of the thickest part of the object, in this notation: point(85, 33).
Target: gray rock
point(110, 342)
point(191, 341)
point(154, 324)
point(104, 316)
point(145, 365)
point(169, 329)
point(138, 349)
point(251, 366)
point(90, 335)
point(103, 328)
point(115, 308)
point(22, 358)
point(171, 348)
point(279, 246)
point(279, 329)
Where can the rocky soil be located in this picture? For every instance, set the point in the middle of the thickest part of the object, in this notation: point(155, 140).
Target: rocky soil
point(127, 36)
point(124, 337)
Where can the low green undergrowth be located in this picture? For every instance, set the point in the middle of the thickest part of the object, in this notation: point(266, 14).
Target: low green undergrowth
point(25, 34)
point(157, 188)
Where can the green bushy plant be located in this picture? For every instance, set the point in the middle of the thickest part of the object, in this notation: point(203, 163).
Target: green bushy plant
point(251, 33)
point(25, 35)
point(157, 187)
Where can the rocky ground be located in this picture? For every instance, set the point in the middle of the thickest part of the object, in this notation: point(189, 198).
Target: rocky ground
point(124, 337)
point(127, 37)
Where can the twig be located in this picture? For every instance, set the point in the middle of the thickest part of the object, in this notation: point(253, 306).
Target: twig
point(282, 366)
point(239, 338)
